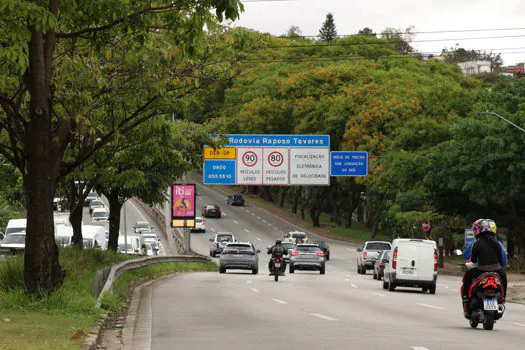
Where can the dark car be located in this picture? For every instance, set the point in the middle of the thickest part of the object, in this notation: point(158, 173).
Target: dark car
point(324, 247)
point(211, 211)
point(235, 199)
point(379, 266)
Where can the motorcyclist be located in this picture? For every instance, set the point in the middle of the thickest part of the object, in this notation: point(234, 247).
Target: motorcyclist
point(488, 253)
point(277, 251)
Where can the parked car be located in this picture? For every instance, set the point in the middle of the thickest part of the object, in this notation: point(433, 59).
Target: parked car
point(379, 266)
point(238, 255)
point(289, 246)
point(235, 199)
point(96, 203)
point(218, 243)
point(142, 226)
point(200, 225)
point(296, 237)
point(324, 247)
point(13, 243)
point(99, 216)
point(211, 210)
point(412, 263)
point(369, 253)
point(15, 225)
point(307, 257)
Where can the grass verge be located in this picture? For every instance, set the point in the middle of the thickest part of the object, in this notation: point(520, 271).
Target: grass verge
point(115, 301)
point(60, 320)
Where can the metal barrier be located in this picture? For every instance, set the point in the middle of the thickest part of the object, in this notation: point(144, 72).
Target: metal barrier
point(117, 270)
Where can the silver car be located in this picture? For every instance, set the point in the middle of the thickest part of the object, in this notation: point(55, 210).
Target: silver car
point(242, 256)
point(307, 257)
point(218, 243)
point(289, 246)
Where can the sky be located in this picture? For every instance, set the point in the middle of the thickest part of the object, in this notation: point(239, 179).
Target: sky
point(276, 17)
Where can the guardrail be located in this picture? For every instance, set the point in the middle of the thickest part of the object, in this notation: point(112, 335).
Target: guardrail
point(117, 270)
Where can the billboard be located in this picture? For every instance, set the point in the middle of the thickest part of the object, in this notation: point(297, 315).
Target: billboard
point(183, 205)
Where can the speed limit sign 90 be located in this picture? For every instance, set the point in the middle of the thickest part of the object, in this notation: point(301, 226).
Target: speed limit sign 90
point(275, 159)
point(249, 158)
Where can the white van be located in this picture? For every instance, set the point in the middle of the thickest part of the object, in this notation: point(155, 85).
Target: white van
point(296, 237)
point(63, 234)
point(94, 236)
point(412, 263)
point(134, 243)
point(16, 225)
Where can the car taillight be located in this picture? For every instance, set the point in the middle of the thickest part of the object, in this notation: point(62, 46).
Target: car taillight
point(394, 259)
point(277, 260)
point(319, 254)
point(382, 265)
point(294, 253)
point(219, 210)
point(206, 210)
point(435, 261)
point(365, 253)
point(214, 244)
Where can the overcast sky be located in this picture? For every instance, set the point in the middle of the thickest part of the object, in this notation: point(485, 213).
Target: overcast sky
point(275, 17)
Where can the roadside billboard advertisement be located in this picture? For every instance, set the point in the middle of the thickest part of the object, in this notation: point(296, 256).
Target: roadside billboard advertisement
point(183, 205)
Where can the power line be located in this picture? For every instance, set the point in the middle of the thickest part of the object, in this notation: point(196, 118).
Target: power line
point(390, 42)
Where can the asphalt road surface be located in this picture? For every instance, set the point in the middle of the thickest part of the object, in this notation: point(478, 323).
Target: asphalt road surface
point(305, 310)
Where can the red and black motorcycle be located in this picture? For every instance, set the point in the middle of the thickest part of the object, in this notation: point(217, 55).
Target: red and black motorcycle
point(486, 296)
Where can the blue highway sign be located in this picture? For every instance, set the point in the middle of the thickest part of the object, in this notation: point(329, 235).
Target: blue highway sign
point(343, 163)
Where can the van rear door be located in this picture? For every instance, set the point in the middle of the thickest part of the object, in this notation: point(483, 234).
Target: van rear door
point(425, 261)
point(407, 256)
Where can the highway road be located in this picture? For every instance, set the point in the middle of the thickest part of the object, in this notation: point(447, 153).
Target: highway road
point(306, 310)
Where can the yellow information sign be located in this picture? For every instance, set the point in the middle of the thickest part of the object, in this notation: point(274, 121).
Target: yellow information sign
point(219, 153)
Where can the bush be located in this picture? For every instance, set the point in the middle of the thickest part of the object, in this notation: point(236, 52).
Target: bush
point(12, 274)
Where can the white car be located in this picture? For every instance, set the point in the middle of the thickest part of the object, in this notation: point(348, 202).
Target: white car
point(99, 216)
point(141, 226)
point(13, 243)
point(297, 237)
point(200, 225)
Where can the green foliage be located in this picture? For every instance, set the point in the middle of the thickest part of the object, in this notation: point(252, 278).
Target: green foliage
point(328, 31)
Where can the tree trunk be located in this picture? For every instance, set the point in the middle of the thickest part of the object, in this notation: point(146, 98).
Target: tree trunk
point(75, 218)
point(295, 199)
point(375, 225)
point(265, 194)
point(314, 214)
point(115, 207)
point(282, 196)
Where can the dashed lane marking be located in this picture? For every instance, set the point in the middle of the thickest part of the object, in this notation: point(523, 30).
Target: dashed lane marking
point(255, 290)
point(324, 317)
point(265, 221)
point(247, 230)
point(353, 285)
point(249, 281)
point(259, 238)
point(519, 324)
point(279, 301)
point(380, 294)
point(418, 348)
point(431, 306)
point(213, 229)
point(347, 280)
point(235, 222)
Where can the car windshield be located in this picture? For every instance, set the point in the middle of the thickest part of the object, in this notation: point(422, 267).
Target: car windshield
point(288, 246)
point(97, 203)
point(378, 246)
point(142, 225)
point(198, 221)
point(14, 229)
point(237, 196)
point(149, 235)
point(100, 214)
point(298, 235)
point(238, 249)
point(14, 239)
point(307, 249)
point(225, 238)
point(150, 240)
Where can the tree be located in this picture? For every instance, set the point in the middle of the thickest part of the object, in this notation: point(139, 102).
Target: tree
point(294, 32)
point(42, 41)
point(328, 31)
point(366, 31)
point(400, 38)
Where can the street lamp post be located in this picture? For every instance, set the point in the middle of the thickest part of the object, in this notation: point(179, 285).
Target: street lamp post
point(508, 121)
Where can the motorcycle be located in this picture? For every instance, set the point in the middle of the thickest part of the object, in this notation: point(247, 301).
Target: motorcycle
point(485, 299)
point(277, 270)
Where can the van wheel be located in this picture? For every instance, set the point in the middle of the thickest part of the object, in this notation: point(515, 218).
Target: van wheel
point(291, 269)
point(255, 271)
point(222, 270)
point(385, 285)
point(322, 271)
point(425, 289)
point(432, 289)
point(391, 286)
point(375, 276)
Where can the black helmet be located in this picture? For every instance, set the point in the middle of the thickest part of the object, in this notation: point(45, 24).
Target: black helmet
point(278, 242)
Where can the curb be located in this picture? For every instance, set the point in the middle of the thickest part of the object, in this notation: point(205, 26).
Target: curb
point(91, 339)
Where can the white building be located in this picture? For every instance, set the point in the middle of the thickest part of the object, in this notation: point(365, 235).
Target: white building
point(475, 67)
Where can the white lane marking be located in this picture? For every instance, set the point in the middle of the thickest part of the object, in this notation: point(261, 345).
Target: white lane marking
point(347, 275)
point(259, 217)
point(199, 198)
point(519, 324)
point(353, 285)
point(379, 294)
point(418, 348)
point(248, 211)
point(246, 230)
point(347, 280)
point(324, 317)
point(446, 287)
point(249, 281)
point(255, 290)
point(213, 229)
point(223, 213)
point(235, 222)
point(265, 221)
point(431, 306)
point(253, 214)
point(279, 301)
point(259, 238)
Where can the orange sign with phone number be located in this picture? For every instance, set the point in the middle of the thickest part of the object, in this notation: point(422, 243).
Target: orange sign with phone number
point(219, 153)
